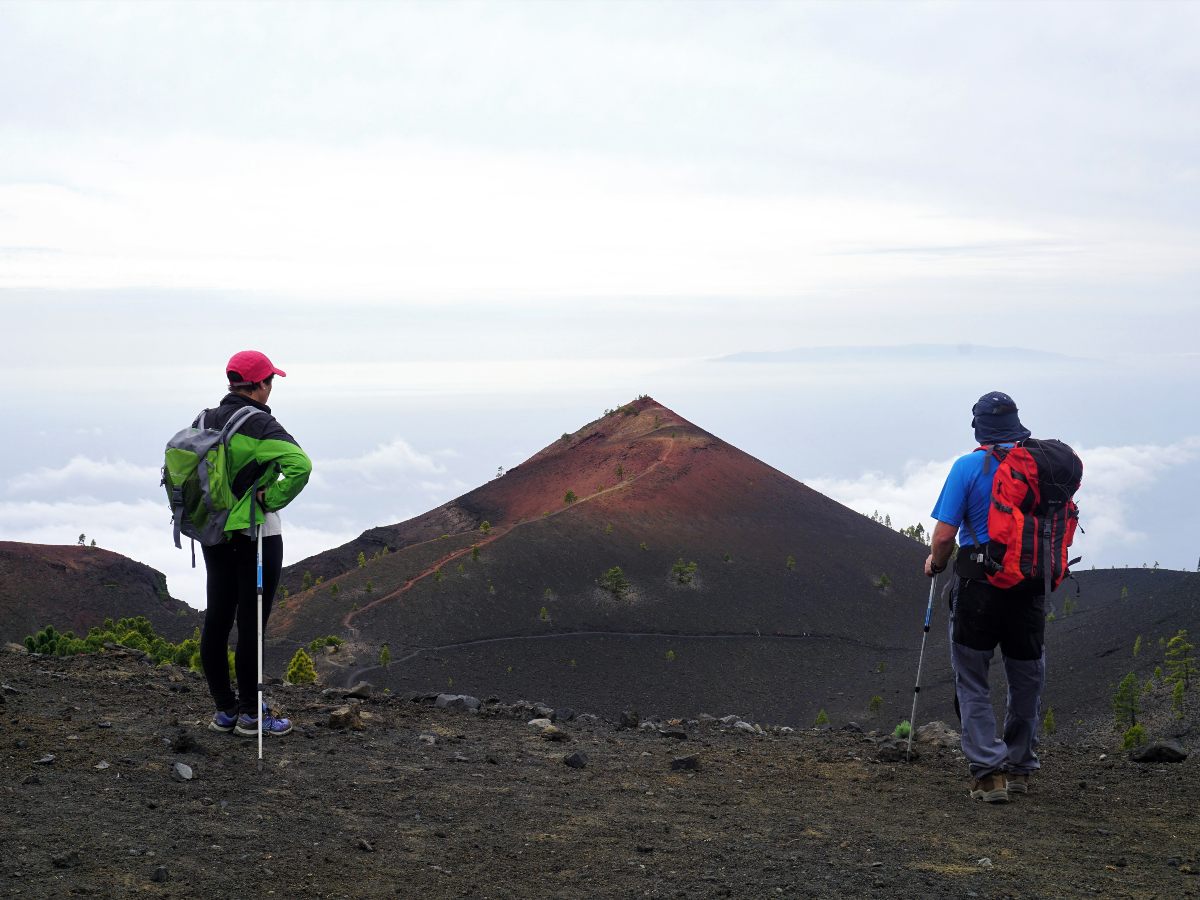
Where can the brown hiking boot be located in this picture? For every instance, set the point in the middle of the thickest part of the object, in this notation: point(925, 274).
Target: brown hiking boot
point(990, 789)
point(1017, 784)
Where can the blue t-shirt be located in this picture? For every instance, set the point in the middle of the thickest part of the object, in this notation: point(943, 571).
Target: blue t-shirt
point(966, 496)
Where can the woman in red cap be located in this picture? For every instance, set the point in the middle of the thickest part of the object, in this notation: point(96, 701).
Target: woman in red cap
point(264, 462)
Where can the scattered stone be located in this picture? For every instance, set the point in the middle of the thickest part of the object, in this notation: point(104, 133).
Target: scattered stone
point(1160, 751)
point(458, 757)
point(647, 726)
point(576, 760)
point(587, 719)
point(66, 859)
point(745, 727)
point(729, 721)
point(566, 714)
point(678, 733)
point(457, 701)
point(541, 710)
point(939, 734)
point(686, 763)
point(183, 742)
point(104, 724)
point(890, 749)
point(554, 733)
point(365, 846)
point(346, 717)
point(539, 723)
point(31, 779)
point(984, 863)
point(629, 719)
point(46, 760)
point(182, 772)
point(361, 691)
point(160, 874)
point(427, 738)
point(852, 726)
point(786, 729)
point(9, 689)
point(103, 764)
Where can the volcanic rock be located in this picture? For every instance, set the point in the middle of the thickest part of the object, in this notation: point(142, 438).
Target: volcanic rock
point(346, 717)
point(576, 760)
point(1160, 751)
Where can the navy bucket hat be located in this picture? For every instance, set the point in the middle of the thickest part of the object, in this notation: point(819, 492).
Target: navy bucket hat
point(994, 418)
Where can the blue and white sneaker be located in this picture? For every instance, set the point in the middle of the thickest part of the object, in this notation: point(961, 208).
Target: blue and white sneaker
point(223, 722)
point(247, 725)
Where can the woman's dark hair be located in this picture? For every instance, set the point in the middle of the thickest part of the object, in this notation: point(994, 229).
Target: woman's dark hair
point(241, 386)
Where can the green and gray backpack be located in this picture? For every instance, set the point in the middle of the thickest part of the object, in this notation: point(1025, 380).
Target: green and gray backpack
point(198, 482)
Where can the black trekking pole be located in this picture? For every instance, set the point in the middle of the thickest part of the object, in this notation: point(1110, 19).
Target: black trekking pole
point(912, 718)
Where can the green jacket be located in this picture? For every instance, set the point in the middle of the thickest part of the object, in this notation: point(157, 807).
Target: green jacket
point(261, 455)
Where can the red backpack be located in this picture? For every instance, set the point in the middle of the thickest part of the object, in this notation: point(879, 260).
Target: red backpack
point(1032, 517)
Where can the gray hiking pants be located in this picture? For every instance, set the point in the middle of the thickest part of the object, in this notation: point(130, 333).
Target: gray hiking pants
point(982, 617)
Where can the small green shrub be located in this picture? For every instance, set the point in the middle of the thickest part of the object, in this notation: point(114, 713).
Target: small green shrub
point(670, 656)
point(1134, 736)
point(385, 656)
point(316, 645)
point(822, 719)
point(684, 572)
point(615, 582)
point(791, 562)
point(569, 498)
point(902, 730)
point(362, 559)
point(300, 670)
point(1048, 724)
point(876, 704)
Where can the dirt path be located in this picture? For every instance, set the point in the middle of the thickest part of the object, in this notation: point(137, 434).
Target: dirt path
point(356, 674)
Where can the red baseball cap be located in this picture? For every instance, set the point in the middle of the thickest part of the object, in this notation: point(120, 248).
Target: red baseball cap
point(253, 366)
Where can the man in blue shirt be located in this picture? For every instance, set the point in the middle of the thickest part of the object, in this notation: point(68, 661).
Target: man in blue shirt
point(982, 616)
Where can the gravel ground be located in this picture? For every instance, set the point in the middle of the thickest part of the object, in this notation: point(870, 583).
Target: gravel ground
point(442, 803)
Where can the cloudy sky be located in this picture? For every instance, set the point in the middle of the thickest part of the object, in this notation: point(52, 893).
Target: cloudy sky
point(466, 228)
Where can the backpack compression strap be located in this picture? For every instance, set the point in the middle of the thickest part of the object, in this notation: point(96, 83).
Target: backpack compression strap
point(999, 453)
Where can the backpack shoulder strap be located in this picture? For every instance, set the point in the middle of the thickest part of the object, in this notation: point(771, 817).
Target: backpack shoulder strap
point(237, 420)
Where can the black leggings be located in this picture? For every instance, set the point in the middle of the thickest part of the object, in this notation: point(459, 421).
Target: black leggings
point(233, 593)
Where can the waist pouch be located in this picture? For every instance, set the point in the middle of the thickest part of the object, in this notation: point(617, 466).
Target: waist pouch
point(965, 566)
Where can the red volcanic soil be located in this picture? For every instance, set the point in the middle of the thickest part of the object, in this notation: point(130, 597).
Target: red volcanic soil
point(74, 588)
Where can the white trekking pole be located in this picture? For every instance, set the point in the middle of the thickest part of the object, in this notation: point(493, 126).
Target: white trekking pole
point(258, 565)
point(912, 718)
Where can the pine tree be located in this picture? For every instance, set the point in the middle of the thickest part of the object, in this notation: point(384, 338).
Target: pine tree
point(1181, 665)
point(1048, 724)
point(822, 719)
point(1125, 700)
point(385, 655)
point(300, 670)
point(362, 559)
